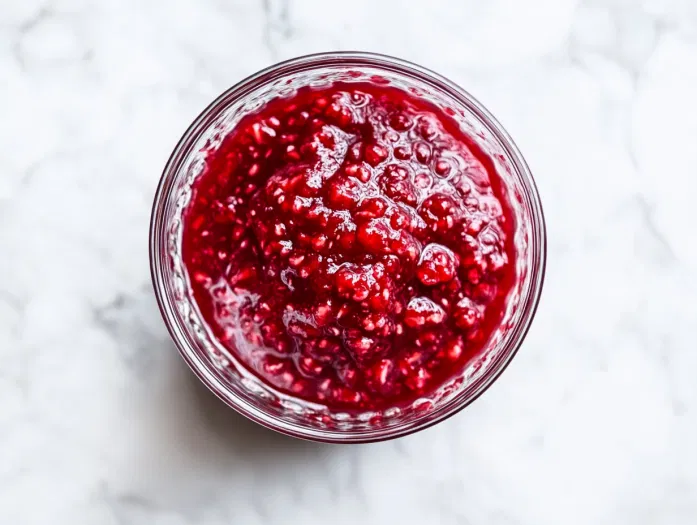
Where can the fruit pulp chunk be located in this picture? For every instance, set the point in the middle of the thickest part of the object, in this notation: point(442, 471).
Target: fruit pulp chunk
point(350, 245)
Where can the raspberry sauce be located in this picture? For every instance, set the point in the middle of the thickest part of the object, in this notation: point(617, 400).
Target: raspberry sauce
point(350, 245)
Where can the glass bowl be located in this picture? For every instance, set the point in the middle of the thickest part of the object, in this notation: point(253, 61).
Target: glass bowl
point(228, 378)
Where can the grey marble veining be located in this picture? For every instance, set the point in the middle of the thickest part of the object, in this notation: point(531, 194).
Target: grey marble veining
point(594, 422)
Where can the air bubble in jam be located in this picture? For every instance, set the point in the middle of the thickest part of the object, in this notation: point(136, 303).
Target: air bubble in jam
point(350, 245)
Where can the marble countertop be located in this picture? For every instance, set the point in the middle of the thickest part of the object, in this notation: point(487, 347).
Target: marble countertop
point(595, 422)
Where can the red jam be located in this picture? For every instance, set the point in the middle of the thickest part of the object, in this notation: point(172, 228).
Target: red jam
point(350, 245)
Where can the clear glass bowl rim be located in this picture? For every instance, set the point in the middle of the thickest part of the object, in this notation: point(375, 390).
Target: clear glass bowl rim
point(538, 240)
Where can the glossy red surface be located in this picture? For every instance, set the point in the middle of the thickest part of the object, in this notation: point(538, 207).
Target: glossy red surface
point(350, 245)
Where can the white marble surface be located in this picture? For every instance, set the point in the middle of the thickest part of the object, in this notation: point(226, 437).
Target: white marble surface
point(595, 422)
